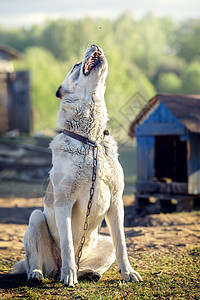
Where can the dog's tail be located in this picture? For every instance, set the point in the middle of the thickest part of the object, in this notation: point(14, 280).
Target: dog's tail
point(19, 267)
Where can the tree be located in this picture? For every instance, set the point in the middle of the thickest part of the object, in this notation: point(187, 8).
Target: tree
point(47, 75)
point(169, 83)
point(186, 41)
point(150, 43)
point(169, 64)
point(191, 79)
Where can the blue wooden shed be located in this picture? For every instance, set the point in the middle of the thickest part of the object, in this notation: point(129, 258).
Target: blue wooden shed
point(167, 132)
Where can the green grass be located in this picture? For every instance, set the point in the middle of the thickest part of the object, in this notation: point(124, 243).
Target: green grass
point(167, 276)
point(127, 158)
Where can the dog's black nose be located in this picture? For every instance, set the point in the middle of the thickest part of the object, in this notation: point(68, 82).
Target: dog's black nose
point(58, 93)
point(95, 47)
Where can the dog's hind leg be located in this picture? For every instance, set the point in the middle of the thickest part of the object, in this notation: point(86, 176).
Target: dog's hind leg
point(98, 259)
point(39, 257)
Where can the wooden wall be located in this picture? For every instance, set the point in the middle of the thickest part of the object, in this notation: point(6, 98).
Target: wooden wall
point(145, 158)
point(194, 164)
point(15, 104)
point(160, 122)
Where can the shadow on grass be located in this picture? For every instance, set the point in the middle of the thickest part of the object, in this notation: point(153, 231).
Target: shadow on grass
point(13, 281)
point(10, 281)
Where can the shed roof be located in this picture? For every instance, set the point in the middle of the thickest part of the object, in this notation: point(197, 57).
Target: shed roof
point(185, 107)
point(10, 52)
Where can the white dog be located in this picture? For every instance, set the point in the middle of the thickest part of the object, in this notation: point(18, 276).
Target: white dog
point(52, 240)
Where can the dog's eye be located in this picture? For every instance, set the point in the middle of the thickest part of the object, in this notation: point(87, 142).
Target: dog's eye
point(76, 65)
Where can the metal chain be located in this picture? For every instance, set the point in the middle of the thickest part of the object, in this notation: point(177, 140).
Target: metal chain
point(94, 175)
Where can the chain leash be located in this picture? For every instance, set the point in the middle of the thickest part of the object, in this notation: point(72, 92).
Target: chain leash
point(94, 175)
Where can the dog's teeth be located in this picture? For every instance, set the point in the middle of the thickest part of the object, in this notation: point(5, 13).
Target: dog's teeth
point(91, 62)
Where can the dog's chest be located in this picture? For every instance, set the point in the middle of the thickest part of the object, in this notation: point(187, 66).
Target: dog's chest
point(97, 212)
point(74, 162)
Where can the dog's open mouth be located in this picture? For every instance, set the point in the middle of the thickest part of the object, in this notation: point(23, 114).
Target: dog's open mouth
point(93, 60)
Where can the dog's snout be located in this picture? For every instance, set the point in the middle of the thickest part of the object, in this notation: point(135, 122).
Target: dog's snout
point(95, 47)
point(58, 93)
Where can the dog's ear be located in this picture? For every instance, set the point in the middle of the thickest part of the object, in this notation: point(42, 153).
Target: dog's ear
point(58, 93)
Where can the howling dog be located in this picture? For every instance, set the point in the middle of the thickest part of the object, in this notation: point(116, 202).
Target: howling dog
point(53, 237)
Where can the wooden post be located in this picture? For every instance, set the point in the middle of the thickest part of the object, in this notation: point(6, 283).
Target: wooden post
point(19, 108)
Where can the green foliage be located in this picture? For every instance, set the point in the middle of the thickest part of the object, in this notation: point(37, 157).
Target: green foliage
point(169, 63)
point(149, 47)
point(191, 79)
point(47, 75)
point(186, 40)
point(169, 83)
point(144, 56)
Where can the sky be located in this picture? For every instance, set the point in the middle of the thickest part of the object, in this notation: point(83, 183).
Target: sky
point(27, 12)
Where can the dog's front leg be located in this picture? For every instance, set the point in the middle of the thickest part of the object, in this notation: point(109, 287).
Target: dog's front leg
point(115, 221)
point(63, 222)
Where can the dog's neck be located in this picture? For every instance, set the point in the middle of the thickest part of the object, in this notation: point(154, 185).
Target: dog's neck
point(87, 117)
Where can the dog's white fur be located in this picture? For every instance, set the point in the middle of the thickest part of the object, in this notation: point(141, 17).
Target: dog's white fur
point(53, 237)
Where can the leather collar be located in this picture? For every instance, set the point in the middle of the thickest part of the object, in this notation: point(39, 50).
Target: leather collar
point(80, 138)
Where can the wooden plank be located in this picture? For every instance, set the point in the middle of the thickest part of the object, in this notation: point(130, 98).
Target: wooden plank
point(163, 203)
point(145, 158)
point(23, 165)
point(180, 188)
point(147, 186)
point(194, 164)
point(185, 203)
point(153, 129)
point(3, 104)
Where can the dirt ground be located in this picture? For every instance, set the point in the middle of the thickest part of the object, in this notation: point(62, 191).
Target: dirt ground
point(151, 233)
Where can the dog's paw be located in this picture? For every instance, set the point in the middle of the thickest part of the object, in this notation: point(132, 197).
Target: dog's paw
point(35, 277)
point(130, 275)
point(69, 277)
